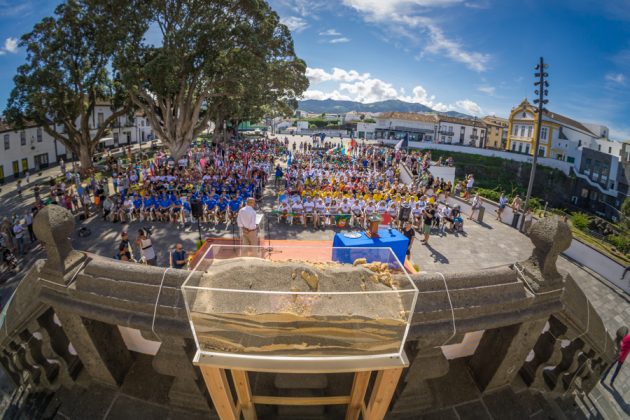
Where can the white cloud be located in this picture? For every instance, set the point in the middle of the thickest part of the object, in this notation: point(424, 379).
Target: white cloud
point(440, 44)
point(319, 95)
point(10, 45)
point(339, 40)
point(616, 78)
point(469, 107)
point(401, 16)
point(489, 90)
point(316, 75)
point(330, 32)
point(304, 8)
point(294, 23)
point(362, 87)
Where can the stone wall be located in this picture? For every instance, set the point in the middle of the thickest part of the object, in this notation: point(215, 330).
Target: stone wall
point(532, 325)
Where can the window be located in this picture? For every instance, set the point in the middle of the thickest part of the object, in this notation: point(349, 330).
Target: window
point(579, 143)
point(599, 147)
point(584, 193)
point(7, 142)
point(610, 150)
point(100, 118)
point(527, 149)
point(520, 148)
point(39, 135)
point(515, 133)
point(524, 114)
point(541, 152)
point(529, 131)
point(570, 159)
point(23, 138)
point(543, 133)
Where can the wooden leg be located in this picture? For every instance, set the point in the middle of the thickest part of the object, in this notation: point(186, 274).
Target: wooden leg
point(219, 389)
point(384, 388)
point(244, 393)
point(357, 396)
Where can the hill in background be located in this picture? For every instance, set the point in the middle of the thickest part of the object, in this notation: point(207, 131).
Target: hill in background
point(341, 107)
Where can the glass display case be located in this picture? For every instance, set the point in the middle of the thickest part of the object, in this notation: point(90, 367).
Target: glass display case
point(307, 309)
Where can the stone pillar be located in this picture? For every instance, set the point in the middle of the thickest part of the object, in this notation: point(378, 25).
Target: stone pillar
point(502, 352)
point(100, 347)
point(54, 226)
point(174, 359)
point(416, 395)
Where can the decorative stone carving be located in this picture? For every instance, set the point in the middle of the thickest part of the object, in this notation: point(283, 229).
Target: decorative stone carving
point(551, 236)
point(53, 226)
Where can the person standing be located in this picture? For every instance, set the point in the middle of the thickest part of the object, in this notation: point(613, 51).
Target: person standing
point(502, 204)
point(28, 219)
point(18, 232)
point(427, 214)
point(410, 234)
point(146, 247)
point(623, 343)
point(246, 221)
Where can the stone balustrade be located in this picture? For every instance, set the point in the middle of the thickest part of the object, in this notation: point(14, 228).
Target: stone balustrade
point(523, 322)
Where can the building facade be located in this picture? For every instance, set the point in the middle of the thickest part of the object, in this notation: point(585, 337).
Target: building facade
point(462, 131)
point(32, 149)
point(496, 132)
point(400, 125)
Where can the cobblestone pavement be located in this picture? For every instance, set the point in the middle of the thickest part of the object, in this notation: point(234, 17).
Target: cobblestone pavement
point(481, 246)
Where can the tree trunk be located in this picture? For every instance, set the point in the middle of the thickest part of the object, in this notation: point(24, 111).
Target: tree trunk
point(178, 149)
point(85, 157)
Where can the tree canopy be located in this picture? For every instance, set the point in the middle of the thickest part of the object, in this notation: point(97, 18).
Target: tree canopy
point(216, 60)
point(67, 74)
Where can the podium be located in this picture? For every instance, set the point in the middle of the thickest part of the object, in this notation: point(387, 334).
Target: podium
point(306, 317)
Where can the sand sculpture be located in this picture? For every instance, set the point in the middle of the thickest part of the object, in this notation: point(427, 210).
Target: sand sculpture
point(310, 322)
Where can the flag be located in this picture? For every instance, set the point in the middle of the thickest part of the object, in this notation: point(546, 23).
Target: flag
point(399, 144)
point(353, 143)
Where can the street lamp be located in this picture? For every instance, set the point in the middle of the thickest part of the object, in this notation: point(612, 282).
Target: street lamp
point(542, 92)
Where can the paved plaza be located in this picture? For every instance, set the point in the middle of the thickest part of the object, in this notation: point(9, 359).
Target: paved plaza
point(481, 246)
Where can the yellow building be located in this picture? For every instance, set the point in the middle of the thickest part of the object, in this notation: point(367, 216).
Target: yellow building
point(497, 132)
point(522, 131)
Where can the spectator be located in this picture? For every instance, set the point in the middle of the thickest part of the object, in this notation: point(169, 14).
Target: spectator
point(623, 345)
point(502, 204)
point(428, 214)
point(516, 204)
point(28, 220)
point(179, 257)
point(476, 205)
point(18, 232)
point(409, 234)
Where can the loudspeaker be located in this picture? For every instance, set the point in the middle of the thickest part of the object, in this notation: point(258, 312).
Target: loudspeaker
point(197, 208)
point(404, 212)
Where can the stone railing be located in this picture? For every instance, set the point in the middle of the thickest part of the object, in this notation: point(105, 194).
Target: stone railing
point(523, 322)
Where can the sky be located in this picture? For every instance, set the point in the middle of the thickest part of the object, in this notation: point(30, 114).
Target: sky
point(472, 56)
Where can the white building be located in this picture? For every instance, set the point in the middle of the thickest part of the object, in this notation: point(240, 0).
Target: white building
point(32, 149)
point(398, 125)
point(462, 131)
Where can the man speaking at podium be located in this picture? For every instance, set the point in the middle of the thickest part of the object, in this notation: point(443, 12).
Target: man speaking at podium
point(246, 222)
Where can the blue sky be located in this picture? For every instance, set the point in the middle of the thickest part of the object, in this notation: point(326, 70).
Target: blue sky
point(473, 56)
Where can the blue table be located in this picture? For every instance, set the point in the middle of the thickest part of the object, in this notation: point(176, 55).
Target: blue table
point(389, 238)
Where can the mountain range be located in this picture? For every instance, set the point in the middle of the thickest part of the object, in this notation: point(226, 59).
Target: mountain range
point(341, 107)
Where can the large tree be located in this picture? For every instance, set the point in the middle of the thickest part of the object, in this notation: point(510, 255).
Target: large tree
point(68, 73)
point(213, 59)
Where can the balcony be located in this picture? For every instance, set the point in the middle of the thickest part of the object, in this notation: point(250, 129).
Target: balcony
point(446, 133)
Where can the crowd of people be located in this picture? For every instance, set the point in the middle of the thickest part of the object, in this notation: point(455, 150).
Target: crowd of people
point(326, 189)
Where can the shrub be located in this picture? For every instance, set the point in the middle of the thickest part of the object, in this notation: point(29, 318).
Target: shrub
point(621, 242)
point(580, 220)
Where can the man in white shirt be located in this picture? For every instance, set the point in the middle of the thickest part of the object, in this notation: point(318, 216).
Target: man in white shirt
point(246, 221)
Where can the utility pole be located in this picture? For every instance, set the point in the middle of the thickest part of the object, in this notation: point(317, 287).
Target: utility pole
point(542, 92)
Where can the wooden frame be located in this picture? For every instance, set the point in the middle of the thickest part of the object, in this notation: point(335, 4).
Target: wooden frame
point(223, 400)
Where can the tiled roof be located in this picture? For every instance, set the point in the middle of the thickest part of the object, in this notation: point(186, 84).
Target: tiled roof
point(408, 116)
point(5, 126)
point(462, 121)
